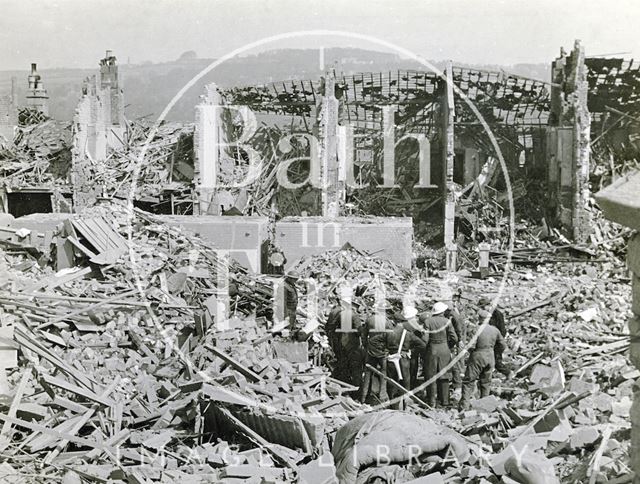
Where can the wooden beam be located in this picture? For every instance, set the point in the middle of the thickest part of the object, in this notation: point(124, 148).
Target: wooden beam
point(249, 374)
point(5, 434)
point(54, 433)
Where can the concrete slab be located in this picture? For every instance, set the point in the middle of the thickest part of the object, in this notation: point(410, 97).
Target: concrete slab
point(385, 237)
point(620, 201)
point(241, 236)
point(388, 238)
point(40, 222)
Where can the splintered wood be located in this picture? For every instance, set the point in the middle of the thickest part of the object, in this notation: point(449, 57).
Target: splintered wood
point(114, 369)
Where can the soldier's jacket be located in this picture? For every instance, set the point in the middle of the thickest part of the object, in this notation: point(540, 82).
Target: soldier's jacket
point(439, 335)
point(438, 329)
point(290, 296)
point(482, 359)
point(374, 335)
point(340, 339)
point(412, 342)
point(459, 325)
point(489, 340)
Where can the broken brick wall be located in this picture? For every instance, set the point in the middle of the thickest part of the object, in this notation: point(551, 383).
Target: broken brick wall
point(89, 144)
point(111, 88)
point(568, 144)
point(214, 169)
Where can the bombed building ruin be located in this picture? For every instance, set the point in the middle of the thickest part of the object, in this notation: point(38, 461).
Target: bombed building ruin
point(171, 293)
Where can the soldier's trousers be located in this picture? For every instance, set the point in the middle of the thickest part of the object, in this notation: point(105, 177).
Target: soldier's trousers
point(479, 371)
point(457, 370)
point(500, 366)
point(438, 357)
point(349, 366)
point(374, 388)
point(417, 358)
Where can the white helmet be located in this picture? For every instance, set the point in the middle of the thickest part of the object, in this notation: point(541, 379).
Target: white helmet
point(439, 308)
point(409, 312)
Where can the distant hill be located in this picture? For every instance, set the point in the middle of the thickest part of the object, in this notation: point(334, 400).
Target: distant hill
point(149, 87)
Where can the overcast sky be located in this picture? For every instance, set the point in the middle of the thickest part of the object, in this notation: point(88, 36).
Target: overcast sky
point(75, 33)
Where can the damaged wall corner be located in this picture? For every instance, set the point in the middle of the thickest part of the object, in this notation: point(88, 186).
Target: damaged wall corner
point(112, 96)
point(568, 144)
point(89, 144)
point(98, 125)
point(210, 164)
point(333, 183)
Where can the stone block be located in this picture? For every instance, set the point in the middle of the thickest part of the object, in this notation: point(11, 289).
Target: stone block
point(634, 349)
point(583, 437)
point(633, 254)
point(635, 294)
point(319, 471)
point(619, 201)
point(550, 421)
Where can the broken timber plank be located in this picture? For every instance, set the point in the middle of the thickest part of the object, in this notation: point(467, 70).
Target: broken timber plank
point(53, 433)
point(53, 282)
point(80, 423)
point(80, 246)
point(113, 300)
point(42, 295)
point(249, 374)
point(70, 387)
point(5, 433)
point(23, 339)
point(533, 360)
point(555, 297)
point(115, 441)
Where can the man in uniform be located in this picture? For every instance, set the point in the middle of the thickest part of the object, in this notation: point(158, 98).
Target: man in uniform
point(496, 320)
point(291, 298)
point(402, 343)
point(460, 328)
point(343, 330)
point(374, 338)
point(419, 353)
point(481, 363)
point(440, 337)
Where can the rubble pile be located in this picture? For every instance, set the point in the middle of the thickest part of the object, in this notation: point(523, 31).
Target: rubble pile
point(570, 389)
point(119, 356)
point(117, 368)
point(367, 279)
point(539, 244)
point(40, 156)
point(166, 151)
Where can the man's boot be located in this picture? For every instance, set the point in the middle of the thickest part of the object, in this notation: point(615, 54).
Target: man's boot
point(485, 388)
point(443, 391)
point(431, 395)
point(467, 390)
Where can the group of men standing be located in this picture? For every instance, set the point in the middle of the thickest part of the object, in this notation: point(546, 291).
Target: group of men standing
point(391, 346)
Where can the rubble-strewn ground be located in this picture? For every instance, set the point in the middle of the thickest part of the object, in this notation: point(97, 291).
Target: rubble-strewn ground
point(121, 375)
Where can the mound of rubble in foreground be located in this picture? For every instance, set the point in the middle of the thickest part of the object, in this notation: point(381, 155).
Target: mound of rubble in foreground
point(116, 372)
